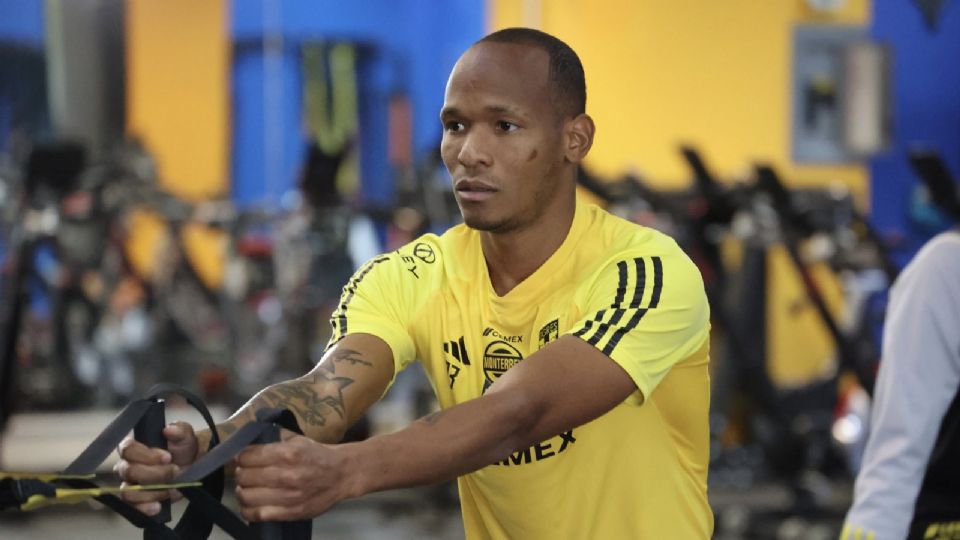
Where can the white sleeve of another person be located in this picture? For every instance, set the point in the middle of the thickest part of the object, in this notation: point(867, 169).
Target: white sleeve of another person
point(919, 377)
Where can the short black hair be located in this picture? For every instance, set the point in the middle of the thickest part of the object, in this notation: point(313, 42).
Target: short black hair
point(566, 71)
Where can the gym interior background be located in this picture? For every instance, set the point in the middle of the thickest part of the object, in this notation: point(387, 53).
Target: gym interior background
point(159, 158)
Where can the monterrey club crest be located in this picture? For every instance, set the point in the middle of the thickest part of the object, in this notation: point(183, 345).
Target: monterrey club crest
point(498, 357)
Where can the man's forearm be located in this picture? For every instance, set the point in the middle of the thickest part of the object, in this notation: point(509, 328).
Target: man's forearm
point(316, 399)
point(523, 407)
point(446, 444)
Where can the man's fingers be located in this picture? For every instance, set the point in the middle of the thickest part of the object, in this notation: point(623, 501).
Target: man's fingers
point(258, 455)
point(182, 442)
point(137, 473)
point(269, 504)
point(261, 496)
point(134, 451)
point(270, 477)
point(269, 513)
point(149, 509)
point(144, 497)
point(289, 450)
point(178, 433)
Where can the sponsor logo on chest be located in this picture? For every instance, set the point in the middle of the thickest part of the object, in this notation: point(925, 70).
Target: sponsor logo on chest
point(492, 332)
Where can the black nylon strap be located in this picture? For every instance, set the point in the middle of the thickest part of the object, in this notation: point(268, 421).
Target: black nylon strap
point(149, 432)
point(15, 491)
point(259, 430)
point(97, 452)
point(216, 458)
point(219, 514)
point(132, 515)
point(196, 522)
point(205, 507)
point(242, 438)
point(279, 530)
point(194, 401)
point(108, 439)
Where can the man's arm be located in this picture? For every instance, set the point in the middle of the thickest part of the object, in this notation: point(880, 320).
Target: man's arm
point(558, 388)
point(352, 375)
point(565, 384)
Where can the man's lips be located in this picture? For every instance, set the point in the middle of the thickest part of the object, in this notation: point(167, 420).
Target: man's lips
point(474, 190)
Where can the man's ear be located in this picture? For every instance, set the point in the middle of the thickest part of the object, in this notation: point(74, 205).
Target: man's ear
point(578, 133)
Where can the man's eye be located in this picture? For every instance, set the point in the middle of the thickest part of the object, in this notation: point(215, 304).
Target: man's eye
point(503, 125)
point(453, 125)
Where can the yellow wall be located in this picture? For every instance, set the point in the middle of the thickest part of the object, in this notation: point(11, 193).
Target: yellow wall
point(661, 72)
point(715, 74)
point(177, 90)
point(178, 60)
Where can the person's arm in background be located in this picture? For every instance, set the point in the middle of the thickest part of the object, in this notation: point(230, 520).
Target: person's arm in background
point(919, 376)
point(353, 374)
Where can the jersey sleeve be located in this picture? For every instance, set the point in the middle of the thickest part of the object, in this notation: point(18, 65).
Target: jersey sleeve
point(374, 301)
point(647, 313)
point(917, 381)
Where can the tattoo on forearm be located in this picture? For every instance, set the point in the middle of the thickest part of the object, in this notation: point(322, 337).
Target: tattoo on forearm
point(311, 398)
point(351, 357)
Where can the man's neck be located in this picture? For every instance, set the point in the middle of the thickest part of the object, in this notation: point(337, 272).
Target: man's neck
point(512, 257)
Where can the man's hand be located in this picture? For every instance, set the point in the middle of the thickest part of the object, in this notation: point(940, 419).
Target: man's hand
point(291, 480)
point(142, 465)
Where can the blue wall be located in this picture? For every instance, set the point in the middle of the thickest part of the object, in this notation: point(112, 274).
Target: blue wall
point(408, 46)
point(21, 22)
point(22, 75)
point(926, 108)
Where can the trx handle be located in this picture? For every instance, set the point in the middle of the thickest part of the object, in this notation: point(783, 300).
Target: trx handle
point(233, 445)
point(146, 416)
point(265, 429)
point(17, 491)
point(149, 431)
point(279, 530)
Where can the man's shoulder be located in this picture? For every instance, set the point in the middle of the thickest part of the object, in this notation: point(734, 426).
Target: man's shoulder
point(618, 237)
point(420, 259)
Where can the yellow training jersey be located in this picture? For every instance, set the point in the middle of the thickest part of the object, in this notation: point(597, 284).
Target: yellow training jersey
point(640, 470)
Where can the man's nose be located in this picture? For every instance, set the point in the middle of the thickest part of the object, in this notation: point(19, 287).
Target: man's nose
point(475, 150)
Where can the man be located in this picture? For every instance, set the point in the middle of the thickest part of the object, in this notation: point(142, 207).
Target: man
point(568, 348)
point(909, 486)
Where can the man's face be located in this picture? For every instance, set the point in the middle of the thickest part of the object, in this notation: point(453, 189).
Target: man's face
point(502, 138)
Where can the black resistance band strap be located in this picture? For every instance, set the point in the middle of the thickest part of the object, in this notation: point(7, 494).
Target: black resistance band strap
point(265, 429)
point(146, 417)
